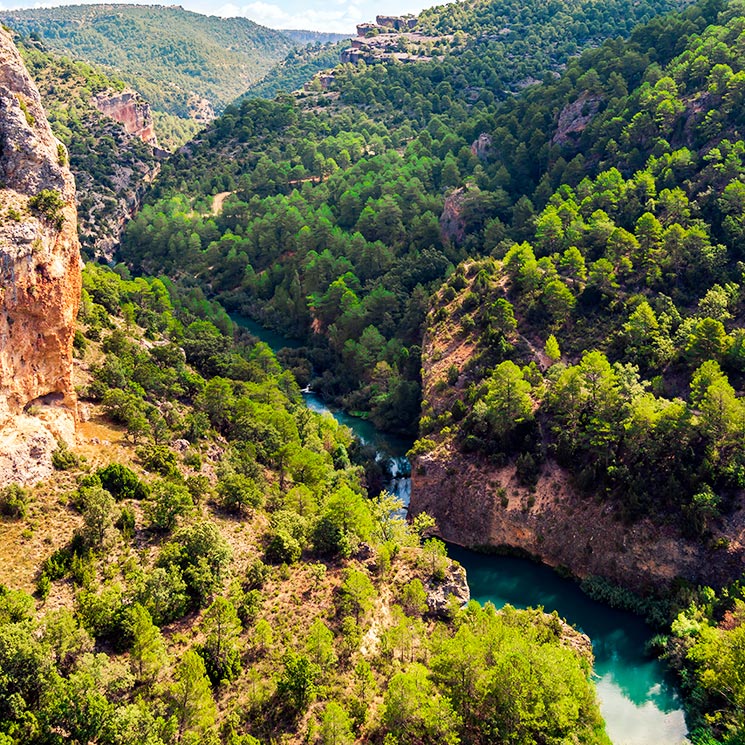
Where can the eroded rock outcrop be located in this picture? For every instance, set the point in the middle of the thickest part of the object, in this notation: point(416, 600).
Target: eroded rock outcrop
point(450, 592)
point(480, 502)
point(575, 117)
point(452, 222)
point(131, 112)
point(39, 279)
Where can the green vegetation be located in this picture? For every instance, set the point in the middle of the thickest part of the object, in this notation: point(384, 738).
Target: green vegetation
point(580, 243)
point(172, 629)
point(107, 162)
point(296, 69)
point(171, 56)
point(333, 233)
point(48, 204)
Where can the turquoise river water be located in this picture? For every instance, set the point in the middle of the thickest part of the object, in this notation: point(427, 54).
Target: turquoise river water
point(637, 698)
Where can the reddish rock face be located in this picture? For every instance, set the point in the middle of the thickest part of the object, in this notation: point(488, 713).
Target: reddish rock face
point(39, 274)
point(575, 117)
point(129, 110)
point(452, 224)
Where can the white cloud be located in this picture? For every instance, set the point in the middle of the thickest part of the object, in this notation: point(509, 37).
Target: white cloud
point(339, 16)
point(334, 19)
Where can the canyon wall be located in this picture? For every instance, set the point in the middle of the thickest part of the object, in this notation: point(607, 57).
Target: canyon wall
point(39, 279)
point(131, 112)
point(480, 503)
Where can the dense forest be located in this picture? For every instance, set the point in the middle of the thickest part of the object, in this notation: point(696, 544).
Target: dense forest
point(338, 202)
point(176, 59)
point(589, 229)
point(220, 561)
point(561, 190)
point(297, 69)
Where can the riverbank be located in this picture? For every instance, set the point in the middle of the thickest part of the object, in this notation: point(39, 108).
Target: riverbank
point(479, 504)
point(638, 697)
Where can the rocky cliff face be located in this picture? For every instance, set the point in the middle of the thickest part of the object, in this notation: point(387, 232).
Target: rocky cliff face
point(131, 111)
point(480, 504)
point(39, 278)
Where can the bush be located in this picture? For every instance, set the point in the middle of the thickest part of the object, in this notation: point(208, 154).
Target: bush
point(256, 575)
point(126, 522)
point(202, 555)
point(14, 501)
point(48, 203)
point(43, 585)
point(158, 458)
point(169, 501)
point(58, 564)
point(63, 459)
point(283, 548)
point(238, 493)
point(527, 470)
point(121, 482)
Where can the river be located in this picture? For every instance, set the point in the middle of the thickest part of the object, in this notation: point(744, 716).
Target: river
point(637, 698)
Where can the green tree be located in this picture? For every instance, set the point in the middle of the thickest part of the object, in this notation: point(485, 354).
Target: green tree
point(320, 645)
point(298, 681)
point(221, 628)
point(508, 399)
point(414, 598)
point(168, 501)
point(190, 698)
point(551, 349)
point(336, 727)
point(414, 711)
point(98, 515)
point(357, 593)
point(148, 655)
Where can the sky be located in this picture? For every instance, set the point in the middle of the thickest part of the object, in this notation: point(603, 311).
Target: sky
point(316, 15)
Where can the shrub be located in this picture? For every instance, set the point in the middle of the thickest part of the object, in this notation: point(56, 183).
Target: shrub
point(126, 522)
point(63, 459)
point(48, 203)
point(14, 501)
point(238, 493)
point(121, 482)
point(169, 502)
point(158, 458)
point(43, 585)
point(283, 548)
point(256, 575)
point(202, 555)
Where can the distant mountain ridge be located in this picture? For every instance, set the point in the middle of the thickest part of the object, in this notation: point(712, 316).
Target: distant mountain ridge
point(184, 63)
point(313, 37)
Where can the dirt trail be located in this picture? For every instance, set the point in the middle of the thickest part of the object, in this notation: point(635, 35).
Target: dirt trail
point(218, 200)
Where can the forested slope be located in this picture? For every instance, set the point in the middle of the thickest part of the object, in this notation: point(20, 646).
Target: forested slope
point(205, 565)
point(296, 69)
point(111, 167)
point(339, 221)
point(603, 334)
point(597, 335)
point(184, 63)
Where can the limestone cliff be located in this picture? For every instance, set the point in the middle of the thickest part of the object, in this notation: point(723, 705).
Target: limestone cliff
point(480, 503)
point(127, 108)
point(39, 278)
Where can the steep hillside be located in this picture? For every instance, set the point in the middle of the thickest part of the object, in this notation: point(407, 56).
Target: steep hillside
point(307, 38)
point(112, 166)
point(184, 63)
point(220, 588)
point(297, 69)
point(595, 370)
point(337, 228)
